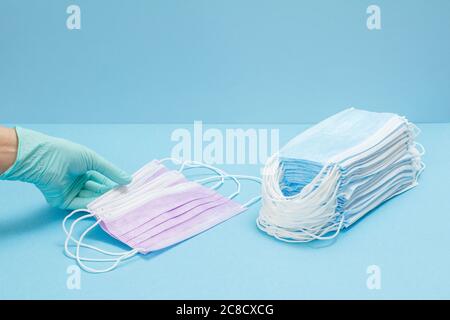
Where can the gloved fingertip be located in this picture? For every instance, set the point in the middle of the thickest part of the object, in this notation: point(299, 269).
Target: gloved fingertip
point(125, 179)
point(79, 203)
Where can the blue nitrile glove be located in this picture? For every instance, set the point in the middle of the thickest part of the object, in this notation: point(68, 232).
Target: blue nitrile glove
point(68, 174)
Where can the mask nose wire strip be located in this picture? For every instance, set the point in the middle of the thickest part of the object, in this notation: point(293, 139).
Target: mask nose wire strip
point(121, 256)
point(83, 245)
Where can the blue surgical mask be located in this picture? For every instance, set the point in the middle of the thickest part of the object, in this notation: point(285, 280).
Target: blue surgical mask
point(335, 172)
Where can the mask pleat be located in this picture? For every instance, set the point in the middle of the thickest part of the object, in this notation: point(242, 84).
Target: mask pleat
point(335, 172)
point(168, 215)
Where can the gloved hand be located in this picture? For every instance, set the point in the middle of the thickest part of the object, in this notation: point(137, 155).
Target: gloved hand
point(68, 174)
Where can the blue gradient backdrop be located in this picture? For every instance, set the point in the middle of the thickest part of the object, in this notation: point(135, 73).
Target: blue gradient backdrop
point(252, 61)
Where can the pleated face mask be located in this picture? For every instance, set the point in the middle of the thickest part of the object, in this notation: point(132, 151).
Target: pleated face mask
point(158, 209)
point(334, 173)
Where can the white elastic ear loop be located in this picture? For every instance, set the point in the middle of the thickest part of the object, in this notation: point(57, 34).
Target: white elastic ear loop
point(69, 237)
point(251, 178)
point(238, 184)
point(79, 243)
point(422, 167)
point(420, 148)
point(196, 164)
point(174, 160)
point(220, 173)
point(126, 255)
point(305, 235)
point(122, 256)
point(236, 178)
point(321, 236)
point(415, 129)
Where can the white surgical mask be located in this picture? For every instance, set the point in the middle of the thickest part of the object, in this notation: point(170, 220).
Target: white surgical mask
point(335, 172)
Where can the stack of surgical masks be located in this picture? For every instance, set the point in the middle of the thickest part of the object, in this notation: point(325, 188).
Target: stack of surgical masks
point(158, 209)
point(332, 174)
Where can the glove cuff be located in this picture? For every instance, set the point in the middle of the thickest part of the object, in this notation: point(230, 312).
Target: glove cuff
point(9, 173)
point(28, 143)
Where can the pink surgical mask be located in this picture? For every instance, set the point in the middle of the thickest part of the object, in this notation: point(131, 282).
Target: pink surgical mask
point(158, 209)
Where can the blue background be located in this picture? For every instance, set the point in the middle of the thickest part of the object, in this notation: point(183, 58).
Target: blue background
point(253, 61)
point(408, 238)
point(249, 62)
